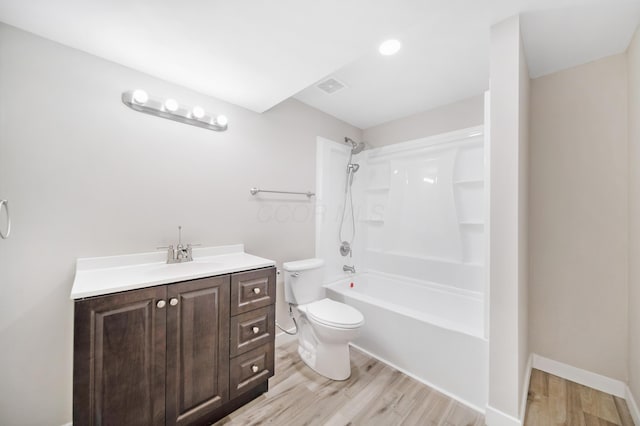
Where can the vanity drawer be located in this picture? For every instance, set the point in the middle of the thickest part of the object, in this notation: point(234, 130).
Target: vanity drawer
point(253, 329)
point(251, 369)
point(252, 290)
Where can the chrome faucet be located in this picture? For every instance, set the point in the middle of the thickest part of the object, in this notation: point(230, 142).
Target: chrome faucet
point(347, 268)
point(181, 253)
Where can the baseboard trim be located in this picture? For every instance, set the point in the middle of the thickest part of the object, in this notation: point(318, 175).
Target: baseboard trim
point(283, 338)
point(525, 389)
point(633, 406)
point(421, 380)
point(578, 375)
point(493, 417)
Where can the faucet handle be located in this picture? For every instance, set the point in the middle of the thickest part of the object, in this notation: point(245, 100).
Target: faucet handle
point(169, 247)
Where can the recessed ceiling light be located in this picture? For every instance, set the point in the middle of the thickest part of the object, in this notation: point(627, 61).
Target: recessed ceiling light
point(390, 47)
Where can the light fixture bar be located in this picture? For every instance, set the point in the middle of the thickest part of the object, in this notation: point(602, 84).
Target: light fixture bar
point(171, 109)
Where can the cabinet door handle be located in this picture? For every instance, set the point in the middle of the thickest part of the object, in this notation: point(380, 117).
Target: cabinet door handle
point(256, 290)
point(161, 304)
point(173, 301)
point(255, 330)
point(255, 368)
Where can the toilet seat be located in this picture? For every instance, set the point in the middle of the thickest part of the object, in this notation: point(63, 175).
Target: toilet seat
point(334, 314)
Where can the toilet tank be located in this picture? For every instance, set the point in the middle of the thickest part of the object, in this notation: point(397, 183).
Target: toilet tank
point(303, 281)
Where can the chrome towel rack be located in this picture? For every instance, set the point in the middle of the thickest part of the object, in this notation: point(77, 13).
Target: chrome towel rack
point(5, 204)
point(255, 191)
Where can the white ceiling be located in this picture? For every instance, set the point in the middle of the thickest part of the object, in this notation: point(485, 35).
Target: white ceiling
point(257, 53)
point(446, 58)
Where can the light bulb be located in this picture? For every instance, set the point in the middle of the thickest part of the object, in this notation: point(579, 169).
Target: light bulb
point(222, 120)
point(171, 105)
point(197, 112)
point(390, 47)
point(140, 96)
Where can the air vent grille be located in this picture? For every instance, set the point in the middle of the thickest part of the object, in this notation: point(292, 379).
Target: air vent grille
point(331, 85)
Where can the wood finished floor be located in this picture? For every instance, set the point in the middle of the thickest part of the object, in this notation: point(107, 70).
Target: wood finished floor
point(375, 394)
point(555, 401)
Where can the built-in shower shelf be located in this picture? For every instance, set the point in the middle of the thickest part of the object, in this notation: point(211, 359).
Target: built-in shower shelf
point(372, 220)
point(471, 223)
point(478, 182)
point(377, 189)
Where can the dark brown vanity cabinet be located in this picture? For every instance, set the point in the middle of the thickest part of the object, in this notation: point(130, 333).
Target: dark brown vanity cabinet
point(119, 359)
point(170, 354)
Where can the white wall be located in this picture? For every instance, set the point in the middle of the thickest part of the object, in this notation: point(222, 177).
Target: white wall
point(633, 72)
point(509, 99)
point(524, 100)
point(578, 227)
point(459, 115)
point(87, 176)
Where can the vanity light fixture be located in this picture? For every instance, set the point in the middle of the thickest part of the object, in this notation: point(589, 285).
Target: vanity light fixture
point(390, 47)
point(170, 108)
point(197, 112)
point(140, 96)
point(171, 105)
point(222, 120)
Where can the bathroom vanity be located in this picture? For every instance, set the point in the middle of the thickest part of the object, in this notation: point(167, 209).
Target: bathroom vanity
point(182, 344)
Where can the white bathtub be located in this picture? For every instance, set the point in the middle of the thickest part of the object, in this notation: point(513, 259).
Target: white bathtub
point(429, 331)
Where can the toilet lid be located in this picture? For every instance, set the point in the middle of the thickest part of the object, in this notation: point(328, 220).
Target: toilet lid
point(335, 314)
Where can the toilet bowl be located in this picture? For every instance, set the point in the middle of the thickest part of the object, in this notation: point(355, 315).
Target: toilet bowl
point(325, 327)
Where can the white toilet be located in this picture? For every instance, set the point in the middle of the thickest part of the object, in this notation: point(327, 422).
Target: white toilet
point(325, 327)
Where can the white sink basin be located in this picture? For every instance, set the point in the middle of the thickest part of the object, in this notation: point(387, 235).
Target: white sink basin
point(194, 267)
point(105, 275)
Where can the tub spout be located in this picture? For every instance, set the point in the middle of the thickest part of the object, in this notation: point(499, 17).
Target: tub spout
point(347, 268)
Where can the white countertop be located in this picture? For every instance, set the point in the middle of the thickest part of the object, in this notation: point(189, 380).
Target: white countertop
point(96, 276)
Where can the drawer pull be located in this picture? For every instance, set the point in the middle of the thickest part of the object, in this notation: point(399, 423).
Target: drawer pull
point(256, 290)
point(255, 330)
point(161, 304)
point(173, 301)
point(255, 368)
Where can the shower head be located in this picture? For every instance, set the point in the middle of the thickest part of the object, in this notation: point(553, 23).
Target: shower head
point(356, 147)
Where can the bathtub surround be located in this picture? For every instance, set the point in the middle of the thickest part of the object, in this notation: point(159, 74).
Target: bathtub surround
point(88, 176)
point(436, 236)
point(420, 225)
point(508, 352)
point(633, 73)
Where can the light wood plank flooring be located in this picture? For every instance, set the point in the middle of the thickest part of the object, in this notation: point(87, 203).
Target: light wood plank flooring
point(553, 401)
point(375, 394)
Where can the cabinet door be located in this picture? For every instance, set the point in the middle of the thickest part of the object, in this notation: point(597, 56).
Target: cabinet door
point(119, 359)
point(197, 348)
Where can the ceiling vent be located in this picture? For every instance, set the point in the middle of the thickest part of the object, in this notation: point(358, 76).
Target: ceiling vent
point(330, 85)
